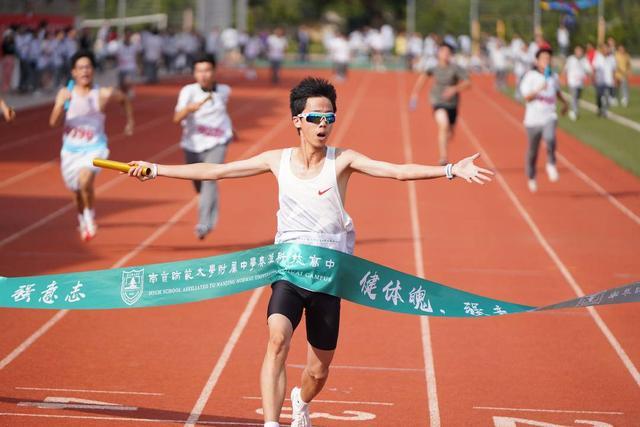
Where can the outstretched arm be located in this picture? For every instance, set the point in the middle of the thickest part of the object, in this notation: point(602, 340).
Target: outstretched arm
point(465, 169)
point(256, 165)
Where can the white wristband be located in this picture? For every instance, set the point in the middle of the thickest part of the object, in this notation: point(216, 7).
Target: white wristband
point(448, 171)
point(154, 171)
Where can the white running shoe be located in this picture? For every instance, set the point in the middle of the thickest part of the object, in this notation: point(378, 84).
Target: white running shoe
point(82, 228)
point(533, 185)
point(90, 229)
point(552, 172)
point(572, 116)
point(201, 231)
point(300, 410)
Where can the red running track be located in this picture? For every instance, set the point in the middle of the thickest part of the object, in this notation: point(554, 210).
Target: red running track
point(200, 362)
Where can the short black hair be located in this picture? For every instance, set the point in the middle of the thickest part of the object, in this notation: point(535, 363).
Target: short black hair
point(83, 54)
point(204, 58)
point(452, 49)
point(311, 87)
point(544, 49)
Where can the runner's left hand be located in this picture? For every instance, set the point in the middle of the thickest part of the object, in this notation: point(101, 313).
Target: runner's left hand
point(470, 172)
point(449, 92)
point(565, 108)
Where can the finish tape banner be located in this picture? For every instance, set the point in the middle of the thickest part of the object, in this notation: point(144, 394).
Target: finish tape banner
point(313, 268)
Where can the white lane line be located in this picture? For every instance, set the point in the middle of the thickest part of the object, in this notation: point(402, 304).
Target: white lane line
point(598, 188)
point(86, 406)
point(615, 344)
point(555, 411)
point(363, 368)
point(60, 314)
point(573, 168)
point(127, 419)
point(194, 417)
point(346, 402)
point(429, 366)
point(28, 172)
point(624, 121)
point(246, 314)
point(79, 390)
point(71, 205)
point(27, 343)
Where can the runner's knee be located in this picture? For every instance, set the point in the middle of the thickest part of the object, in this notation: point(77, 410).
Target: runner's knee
point(278, 343)
point(318, 372)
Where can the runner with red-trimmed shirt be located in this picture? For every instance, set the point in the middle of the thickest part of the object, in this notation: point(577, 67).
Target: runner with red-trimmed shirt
point(206, 131)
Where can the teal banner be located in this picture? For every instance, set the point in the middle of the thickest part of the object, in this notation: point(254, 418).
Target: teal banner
point(314, 268)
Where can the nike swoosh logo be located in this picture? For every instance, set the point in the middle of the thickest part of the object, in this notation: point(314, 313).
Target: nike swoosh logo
point(321, 192)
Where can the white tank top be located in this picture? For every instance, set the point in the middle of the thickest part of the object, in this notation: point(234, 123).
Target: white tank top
point(84, 123)
point(311, 210)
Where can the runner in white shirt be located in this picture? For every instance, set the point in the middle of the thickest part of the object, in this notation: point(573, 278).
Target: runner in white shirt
point(127, 55)
point(152, 52)
point(84, 137)
point(206, 131)
point(276, 47)
point(340, 55)
point(576, 68)
point(540, 88)
point(312, 183)
point(604, 69)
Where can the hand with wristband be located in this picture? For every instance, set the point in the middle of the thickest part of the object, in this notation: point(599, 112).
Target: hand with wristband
point(144, 171)
point(468, 171)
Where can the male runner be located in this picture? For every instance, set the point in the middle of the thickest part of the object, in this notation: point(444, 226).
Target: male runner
point(312, 179)
point(84, 136)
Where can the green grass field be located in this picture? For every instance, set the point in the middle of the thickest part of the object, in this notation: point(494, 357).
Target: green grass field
point(618, 142)
point(632, 111)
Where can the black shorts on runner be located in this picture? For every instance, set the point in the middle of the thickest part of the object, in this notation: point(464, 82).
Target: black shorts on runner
point(452, 113)
point(322, 312)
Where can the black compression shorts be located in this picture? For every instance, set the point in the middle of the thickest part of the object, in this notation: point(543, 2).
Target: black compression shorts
point(452, 113)
point(322, 312)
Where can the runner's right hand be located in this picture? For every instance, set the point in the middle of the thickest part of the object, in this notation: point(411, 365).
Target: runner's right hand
point(413, 103)
point(138, 166)
point(63, 96)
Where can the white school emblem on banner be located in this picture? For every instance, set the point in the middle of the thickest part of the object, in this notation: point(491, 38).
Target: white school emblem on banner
point(132, 286)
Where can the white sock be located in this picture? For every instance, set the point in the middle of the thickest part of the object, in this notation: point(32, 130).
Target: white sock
point(81, 220)
point(299, 398)
point(272, 424)
point(89, 214)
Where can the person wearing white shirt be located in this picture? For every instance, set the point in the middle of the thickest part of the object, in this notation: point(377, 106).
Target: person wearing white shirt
point(414, 49)
point(252, 50)
point(563, 40)
point(604, 68)
point(126, 56)
point(340, 55)
point(521, 65)
point(376, 47)
point(169, 50)
point(206, 131)
point(576, 68)
point(499, 62)
point(540, 88)
point(276, 47)
point(152, 51)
